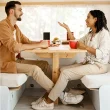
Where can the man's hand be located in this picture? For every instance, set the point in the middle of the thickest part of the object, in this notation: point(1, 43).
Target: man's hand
point(80, 45)
point(44, 44)
point(64, 25)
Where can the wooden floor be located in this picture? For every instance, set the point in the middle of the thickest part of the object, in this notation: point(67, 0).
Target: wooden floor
point(30, 95)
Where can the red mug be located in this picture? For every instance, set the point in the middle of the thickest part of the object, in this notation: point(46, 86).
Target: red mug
point(73, 44)
point(48, 42)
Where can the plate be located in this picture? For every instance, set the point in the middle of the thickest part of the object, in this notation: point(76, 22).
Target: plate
point(44, 47)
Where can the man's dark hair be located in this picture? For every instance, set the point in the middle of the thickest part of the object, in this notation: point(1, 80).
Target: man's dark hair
point(11, 5)
point(101, 19)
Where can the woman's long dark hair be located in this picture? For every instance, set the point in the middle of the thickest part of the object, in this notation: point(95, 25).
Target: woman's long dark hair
point(101, 20)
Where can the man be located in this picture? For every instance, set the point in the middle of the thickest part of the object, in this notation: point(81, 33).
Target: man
point(12, 42)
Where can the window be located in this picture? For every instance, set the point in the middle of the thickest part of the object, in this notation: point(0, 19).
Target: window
point(44, 18)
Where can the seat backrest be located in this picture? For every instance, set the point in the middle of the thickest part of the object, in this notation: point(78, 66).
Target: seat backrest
point(109, 67)
point(109, 62)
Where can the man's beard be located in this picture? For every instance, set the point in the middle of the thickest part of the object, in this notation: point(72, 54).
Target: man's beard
point(18, 19)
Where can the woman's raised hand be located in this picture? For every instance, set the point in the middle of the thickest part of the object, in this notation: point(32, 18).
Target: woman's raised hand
point(64, 25)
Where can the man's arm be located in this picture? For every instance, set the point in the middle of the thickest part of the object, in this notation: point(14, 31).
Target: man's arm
point(43, 44)
point(7, 40)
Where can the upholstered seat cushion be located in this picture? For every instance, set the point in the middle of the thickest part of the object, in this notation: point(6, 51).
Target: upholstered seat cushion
point(95, 81)
point(12, 80)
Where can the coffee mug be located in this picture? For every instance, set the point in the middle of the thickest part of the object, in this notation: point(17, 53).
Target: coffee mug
point(73, 44)
point(48, 42)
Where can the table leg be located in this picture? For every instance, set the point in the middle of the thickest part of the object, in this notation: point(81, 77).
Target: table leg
point(55, 72)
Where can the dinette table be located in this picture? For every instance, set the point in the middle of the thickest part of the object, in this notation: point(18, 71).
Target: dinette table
point(62, 51)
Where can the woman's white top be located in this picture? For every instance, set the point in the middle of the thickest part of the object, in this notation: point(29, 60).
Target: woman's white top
point(100, 42)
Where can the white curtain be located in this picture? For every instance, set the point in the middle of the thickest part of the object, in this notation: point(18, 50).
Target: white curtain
point(44, 18)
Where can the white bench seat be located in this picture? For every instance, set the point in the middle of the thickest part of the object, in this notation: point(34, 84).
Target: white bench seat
point(12, 80)
point(98, 89)
point(10, 97)
point(96, 81)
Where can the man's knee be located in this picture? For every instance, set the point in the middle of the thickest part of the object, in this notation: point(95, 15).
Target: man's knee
point(36, 70)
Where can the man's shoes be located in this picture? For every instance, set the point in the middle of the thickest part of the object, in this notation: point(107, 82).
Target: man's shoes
point(43, 106)
point(37, 101)
point(68, 98)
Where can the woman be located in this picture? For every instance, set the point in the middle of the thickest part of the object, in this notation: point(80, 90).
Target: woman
point(96, 42)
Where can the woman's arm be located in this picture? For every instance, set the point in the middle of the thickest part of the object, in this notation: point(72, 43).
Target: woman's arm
point(70, 36)
point(91, 50)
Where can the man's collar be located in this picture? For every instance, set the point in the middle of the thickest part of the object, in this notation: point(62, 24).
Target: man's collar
point(12, 27)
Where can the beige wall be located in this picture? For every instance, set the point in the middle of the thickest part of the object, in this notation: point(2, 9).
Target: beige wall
point(34, 2)
point(2, 1)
